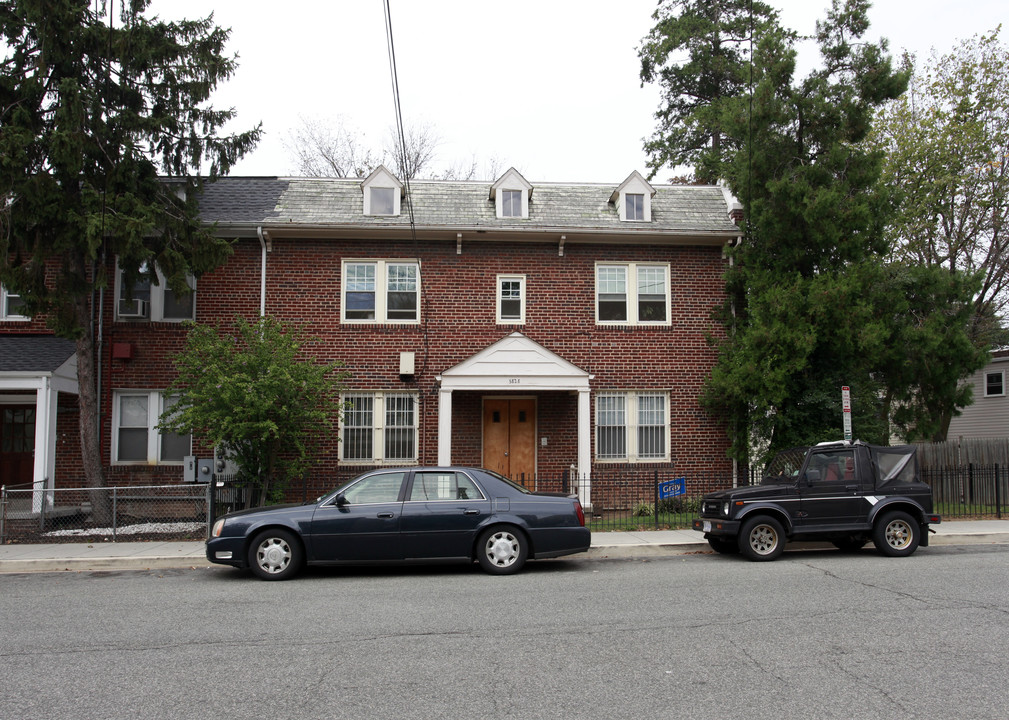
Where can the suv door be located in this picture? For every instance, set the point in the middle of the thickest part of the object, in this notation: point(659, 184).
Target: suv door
point(830, 490)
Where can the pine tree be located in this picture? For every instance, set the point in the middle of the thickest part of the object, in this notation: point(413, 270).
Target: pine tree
point(104, 132)
point(803, 322)
point(698, 53)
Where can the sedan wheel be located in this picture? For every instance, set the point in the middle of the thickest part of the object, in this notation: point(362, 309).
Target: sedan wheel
point(896, 534)
point(501, 551)
point(275, 555)
point(762, 538)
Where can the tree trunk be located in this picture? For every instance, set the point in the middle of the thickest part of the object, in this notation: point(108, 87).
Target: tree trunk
point(91, 451)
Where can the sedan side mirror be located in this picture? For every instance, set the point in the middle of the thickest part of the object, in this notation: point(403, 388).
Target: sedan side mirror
point(341, 500)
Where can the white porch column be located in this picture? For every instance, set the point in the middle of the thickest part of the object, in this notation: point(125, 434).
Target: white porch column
point(45, 443)
point(584, 449)
point(444, 427)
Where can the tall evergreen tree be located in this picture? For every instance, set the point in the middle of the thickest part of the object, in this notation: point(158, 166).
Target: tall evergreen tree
point(94, 105)
point(803, 323)
point(698, 54)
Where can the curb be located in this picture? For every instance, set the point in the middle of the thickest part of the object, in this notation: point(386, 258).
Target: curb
point(100, 564)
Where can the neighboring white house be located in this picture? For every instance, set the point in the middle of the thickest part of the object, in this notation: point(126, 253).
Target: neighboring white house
point(988, 415)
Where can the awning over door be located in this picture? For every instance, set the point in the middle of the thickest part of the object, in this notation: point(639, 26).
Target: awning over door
point(34, 369)
point(515, 363)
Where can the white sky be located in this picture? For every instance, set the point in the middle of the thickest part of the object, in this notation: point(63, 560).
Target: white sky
point(547, 86)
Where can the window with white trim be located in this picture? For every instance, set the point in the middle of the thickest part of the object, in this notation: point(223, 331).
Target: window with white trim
point(511, 299)
point(135, 434)
point(381, 291)
point(632, 427)
point(383, 201)
point(634, 208)
point(10, 305)
point(511, 203)
point(632, 294)
point(379, 427)
point(994, 384)
point(154, 301)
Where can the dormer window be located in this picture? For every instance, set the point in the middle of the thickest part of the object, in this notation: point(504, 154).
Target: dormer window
point(633, 199)
point(634, 206)
point(511, 203)
point(511, 195)
point(382, 193)
point(382, 201)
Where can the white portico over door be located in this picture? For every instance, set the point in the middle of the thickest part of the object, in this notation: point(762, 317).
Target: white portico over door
point(516, 364)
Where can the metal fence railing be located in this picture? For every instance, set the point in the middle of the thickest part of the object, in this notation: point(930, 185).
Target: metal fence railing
point(29, 514)
point(969, 491)
point(622, 498)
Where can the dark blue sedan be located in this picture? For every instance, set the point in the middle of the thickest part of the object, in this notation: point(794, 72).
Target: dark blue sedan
point(405, 515)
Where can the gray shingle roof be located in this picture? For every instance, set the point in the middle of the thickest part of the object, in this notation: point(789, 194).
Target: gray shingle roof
point(34, 353)
point(576, 207)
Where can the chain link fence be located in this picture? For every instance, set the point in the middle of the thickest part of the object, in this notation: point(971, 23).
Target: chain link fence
point(29, 514)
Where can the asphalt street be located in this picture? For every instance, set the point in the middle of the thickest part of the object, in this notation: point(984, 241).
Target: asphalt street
point(817, 633)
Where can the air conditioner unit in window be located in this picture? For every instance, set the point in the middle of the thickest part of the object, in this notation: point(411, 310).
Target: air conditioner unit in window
point(133, 308)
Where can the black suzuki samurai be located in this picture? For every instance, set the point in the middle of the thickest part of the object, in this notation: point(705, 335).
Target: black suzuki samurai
point(845, 492)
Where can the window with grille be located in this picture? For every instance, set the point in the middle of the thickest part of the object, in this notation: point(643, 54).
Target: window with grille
point(632, 427)
point(379, 427)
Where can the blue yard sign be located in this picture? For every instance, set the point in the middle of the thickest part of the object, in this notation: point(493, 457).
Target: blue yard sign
point(673, 488)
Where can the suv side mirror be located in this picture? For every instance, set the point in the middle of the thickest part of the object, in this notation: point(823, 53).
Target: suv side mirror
point(811, 476)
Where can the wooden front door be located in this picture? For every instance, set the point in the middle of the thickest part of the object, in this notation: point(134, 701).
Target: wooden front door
point(17, 444)
point(509, 438)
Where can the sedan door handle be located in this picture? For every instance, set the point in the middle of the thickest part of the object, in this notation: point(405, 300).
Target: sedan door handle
point(470, 512)
point(386, 515)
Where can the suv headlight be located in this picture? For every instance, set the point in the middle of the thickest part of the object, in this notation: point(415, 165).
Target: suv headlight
point(725, 509)
point(218, 526)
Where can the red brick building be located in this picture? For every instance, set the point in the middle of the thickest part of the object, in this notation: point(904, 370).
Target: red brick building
point(536, 329)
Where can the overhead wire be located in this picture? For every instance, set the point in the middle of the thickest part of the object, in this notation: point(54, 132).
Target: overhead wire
point(407, 171)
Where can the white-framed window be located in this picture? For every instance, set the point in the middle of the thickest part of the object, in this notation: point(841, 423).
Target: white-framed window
point(511, 299)
point(10, 306)
point(994, 384)
point(157, 302)
point(379, 427)
point(632, 294)
point(632, 427)
point(135, 434)
point(634, 206)
point(375, 291)
point(511, 203)
point(383, 201)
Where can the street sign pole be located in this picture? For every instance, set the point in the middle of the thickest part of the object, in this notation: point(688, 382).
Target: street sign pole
point(846, 410)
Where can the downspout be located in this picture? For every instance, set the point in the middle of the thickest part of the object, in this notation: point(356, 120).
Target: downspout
point(262, 273)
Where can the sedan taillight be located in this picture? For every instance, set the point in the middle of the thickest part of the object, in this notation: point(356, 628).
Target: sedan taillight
point(580, 513)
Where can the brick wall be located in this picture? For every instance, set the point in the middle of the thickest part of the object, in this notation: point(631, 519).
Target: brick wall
point(458, 319)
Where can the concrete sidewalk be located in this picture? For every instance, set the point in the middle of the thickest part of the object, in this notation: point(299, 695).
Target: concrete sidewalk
point(56, 557)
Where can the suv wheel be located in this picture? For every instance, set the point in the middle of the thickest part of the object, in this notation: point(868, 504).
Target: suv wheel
point(762, 538)
point(896, 534)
